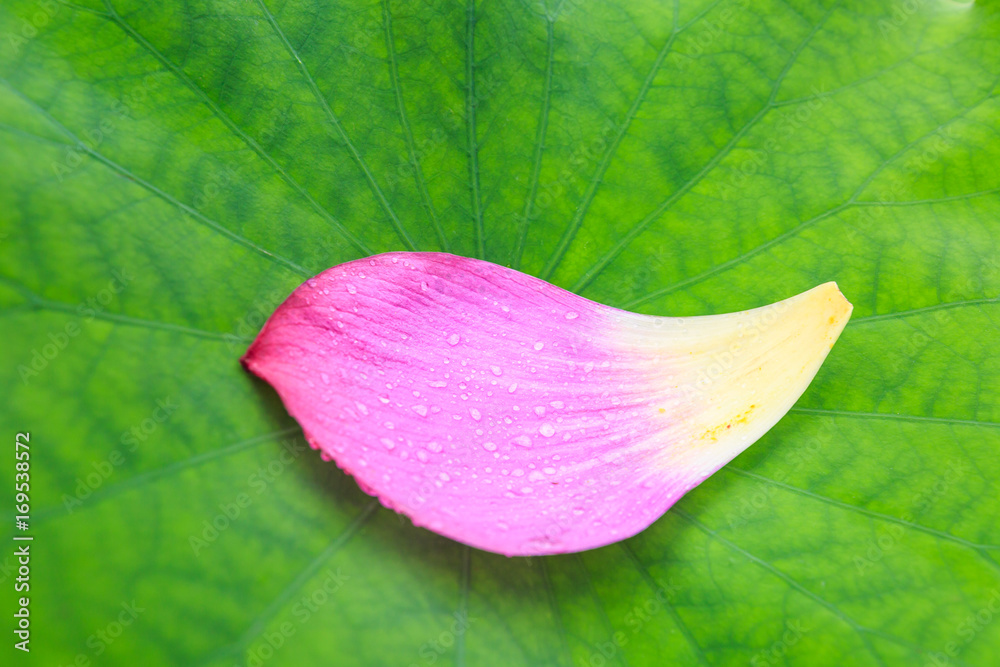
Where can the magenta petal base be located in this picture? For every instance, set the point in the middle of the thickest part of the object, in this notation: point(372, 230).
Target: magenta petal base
point(511, 415)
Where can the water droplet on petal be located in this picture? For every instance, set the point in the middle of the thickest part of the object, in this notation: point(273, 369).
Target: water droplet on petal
point(496, 370)
point(352, 289)
point(522, 441)
point(454, 339)
point(389, 444)
point(572, 315)
point(420, 410)
point(475, 414)
point(538, 346)
point(547, 429)
point(490, 447)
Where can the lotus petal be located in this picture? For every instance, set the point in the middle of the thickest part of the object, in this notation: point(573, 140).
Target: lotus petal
point(511, 415)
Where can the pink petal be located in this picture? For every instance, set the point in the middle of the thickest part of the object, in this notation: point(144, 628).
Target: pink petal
point(509, 414)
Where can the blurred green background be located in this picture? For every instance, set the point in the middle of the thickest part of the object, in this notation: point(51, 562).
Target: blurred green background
point(170, 171)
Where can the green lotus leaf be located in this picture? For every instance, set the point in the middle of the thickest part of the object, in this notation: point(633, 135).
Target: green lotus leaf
point(170, 171)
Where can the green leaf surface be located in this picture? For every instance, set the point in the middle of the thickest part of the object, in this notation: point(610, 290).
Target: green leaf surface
point(170, 171)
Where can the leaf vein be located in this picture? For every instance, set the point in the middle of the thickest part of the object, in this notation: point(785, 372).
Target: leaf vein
point(861, 510)
point(640, 227)
point(681, 625)
point(181, 76)
point(470, 127)
point(739, 259)
point(887, 415)
point(418, 172)
point(336, 124)
point(543, 122)
point(310, 570)
point(860, 630)
point(581, 210)
point(142, 479)
point(123, 171)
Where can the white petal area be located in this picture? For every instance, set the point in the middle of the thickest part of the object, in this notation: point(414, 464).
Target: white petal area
point(732, 377)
